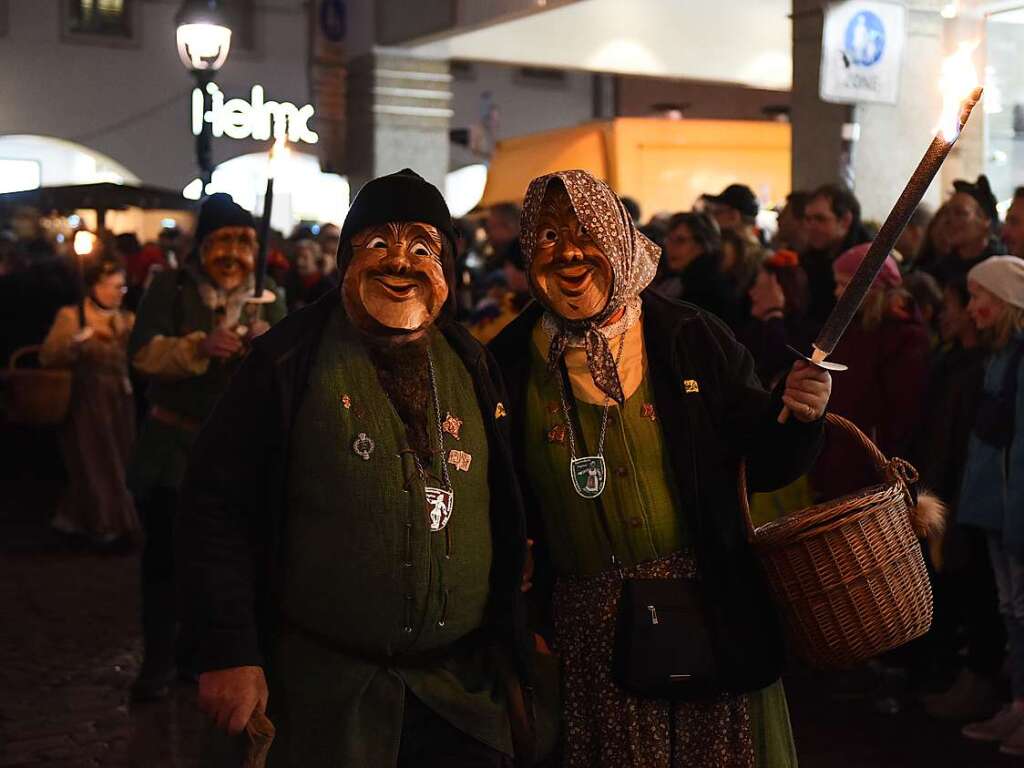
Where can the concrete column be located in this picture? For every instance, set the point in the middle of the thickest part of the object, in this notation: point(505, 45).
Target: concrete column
point(817, 125)
point(398, 115)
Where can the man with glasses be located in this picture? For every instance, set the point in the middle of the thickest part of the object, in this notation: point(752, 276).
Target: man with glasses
point(832, 225)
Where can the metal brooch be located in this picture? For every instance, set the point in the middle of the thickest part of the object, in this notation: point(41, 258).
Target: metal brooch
point(363, 446)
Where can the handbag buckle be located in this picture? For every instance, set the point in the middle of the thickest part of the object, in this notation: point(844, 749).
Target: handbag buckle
point(654, 614)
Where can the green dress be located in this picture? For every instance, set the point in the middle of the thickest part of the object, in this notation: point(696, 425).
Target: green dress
point(365, 575)
point(640, 509)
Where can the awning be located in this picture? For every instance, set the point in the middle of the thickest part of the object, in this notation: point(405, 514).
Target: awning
point(99, 197)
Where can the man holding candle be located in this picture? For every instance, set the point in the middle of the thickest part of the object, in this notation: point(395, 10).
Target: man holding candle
point(192, 328)
point(352, 542)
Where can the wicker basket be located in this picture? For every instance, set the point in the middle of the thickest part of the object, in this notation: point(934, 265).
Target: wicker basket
point(37, 396)
point(849, 576)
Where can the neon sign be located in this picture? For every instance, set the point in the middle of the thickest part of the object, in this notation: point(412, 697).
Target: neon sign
point(254, 119)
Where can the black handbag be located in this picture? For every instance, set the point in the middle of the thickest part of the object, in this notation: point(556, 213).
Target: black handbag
point(994, 421)
point(663, 646)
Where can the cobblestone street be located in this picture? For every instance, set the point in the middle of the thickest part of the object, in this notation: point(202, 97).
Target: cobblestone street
point(69, 649)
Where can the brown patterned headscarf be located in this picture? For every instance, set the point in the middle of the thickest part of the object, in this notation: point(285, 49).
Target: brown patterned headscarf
point(634, 261)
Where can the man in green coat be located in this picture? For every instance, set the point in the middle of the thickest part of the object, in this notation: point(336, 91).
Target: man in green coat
point(192, 328)
point(352, 543)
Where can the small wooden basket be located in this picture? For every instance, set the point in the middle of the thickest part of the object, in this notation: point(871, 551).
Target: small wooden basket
point(37, 396)
point(848, 576)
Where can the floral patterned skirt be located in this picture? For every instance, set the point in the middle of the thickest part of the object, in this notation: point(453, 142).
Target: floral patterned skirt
point(605, 726)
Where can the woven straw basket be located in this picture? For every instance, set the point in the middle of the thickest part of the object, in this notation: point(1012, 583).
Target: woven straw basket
point(37, 396)
point(848, 576)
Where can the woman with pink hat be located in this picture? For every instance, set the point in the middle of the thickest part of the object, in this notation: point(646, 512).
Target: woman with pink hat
point(886, 348)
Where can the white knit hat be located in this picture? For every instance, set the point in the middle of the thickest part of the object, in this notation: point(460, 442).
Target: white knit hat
point(1002, 276)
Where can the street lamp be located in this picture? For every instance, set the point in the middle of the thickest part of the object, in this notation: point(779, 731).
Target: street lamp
point(204, 39)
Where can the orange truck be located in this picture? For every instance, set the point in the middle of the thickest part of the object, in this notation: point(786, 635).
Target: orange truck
point(663, 164)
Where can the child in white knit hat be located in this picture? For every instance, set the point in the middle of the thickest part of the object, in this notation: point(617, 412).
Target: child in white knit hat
point(992, 497)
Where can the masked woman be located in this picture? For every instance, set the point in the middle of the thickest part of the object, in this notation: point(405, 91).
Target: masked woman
point(92, 339)
point(630, 416)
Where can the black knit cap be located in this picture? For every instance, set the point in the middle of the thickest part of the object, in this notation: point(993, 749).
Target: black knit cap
point(402, 196)
point(981, 191)
point(220, 210)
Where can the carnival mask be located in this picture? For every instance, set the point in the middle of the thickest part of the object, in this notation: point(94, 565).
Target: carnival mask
point(395, 282)
point(229, 255)
point(569, 273)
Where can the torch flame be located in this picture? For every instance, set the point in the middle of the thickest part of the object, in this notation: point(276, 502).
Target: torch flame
point(84, 242)
point(279, 154)
point(958, 83)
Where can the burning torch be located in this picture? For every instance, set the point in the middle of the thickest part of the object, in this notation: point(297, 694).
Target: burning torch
point(260, 295)
point(960, 92)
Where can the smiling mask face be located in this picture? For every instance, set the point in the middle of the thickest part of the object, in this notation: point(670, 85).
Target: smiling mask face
point(229, 255)
point(569, 273)
point(395, 283)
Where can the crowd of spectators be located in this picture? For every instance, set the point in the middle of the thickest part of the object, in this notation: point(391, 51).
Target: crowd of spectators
point(929, 347)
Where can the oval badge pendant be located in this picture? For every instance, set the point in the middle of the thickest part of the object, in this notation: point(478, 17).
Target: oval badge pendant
point(588, 476)
point(439, 506)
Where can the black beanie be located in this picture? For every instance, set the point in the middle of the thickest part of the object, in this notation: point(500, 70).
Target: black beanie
point(981, 191)
point(219, 210)
point(402, 196)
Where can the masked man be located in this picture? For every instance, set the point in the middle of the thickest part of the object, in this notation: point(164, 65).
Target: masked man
point(192, 328)
point(630, 415)
point(352, 532)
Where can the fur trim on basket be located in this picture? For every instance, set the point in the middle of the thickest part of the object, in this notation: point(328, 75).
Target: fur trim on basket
point(928, 517)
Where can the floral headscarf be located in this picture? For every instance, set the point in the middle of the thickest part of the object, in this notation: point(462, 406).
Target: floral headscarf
point(634, 261)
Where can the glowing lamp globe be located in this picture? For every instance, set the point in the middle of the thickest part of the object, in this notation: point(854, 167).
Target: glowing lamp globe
point(204, 37)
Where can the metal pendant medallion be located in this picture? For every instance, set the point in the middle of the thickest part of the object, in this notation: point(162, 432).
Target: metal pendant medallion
point(363, 446)
point(439, 506)
point(588, 476)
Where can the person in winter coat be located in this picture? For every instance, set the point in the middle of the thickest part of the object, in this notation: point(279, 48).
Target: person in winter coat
point(993, 489)
point(886, 348)
point(191, 331)
point(690, 268)
point(778, 308)
point(965, 592)
point(630, 413)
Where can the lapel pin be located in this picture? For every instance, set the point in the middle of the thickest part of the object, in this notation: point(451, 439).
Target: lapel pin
point(363, 446)
point(460, 460)
point(452, 425)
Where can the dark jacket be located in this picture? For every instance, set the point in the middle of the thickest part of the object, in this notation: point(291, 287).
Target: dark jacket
point(703, 284)
point(821, 283)
point(883, 393)
point(707, 434)
point(233, 502)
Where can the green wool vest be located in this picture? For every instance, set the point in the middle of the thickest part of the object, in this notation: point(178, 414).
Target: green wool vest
point(363, 569)
point(640, 503)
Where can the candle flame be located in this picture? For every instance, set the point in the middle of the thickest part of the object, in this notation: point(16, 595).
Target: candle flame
point(279, 154)
point(958, 82)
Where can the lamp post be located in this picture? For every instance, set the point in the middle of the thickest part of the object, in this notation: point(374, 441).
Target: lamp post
point(204, 39)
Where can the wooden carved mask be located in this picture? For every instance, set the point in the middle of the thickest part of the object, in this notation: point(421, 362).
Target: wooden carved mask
point(569, 273)
point(229, 255)
point(395, 282)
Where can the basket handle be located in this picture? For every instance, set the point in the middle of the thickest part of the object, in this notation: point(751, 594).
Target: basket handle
point(20, 353)
point(897, 469)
